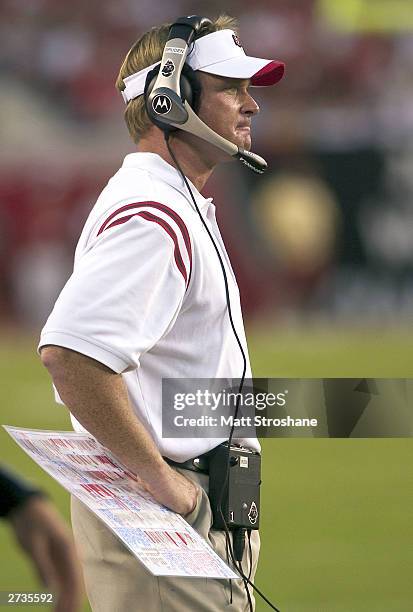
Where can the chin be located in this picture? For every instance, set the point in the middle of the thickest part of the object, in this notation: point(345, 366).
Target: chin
point(242, 140)
point(245, 143)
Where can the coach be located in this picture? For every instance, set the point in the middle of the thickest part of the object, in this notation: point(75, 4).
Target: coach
point(146, 301)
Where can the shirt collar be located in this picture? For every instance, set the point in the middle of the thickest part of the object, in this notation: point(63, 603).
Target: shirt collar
point(154, 164)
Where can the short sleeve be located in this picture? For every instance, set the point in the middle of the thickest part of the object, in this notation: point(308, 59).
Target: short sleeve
point(125, 292)
point(14, 492)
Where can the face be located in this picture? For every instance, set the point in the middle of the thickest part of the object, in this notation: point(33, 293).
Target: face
point(227, 107)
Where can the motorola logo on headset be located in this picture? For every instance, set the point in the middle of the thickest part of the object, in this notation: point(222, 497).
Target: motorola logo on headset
point(161, 104)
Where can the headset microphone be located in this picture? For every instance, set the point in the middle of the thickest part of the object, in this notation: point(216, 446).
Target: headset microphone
point(163, 95)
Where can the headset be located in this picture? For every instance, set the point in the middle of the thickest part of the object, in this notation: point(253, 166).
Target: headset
point(172, 98)
point(172, 93)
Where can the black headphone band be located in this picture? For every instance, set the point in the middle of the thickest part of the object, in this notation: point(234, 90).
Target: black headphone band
point(188, 28)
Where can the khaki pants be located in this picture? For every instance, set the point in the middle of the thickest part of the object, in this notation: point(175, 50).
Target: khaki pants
point(117, 582)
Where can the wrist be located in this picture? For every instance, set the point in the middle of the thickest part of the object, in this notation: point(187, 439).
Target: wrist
point(158, 475)
point(194, 505)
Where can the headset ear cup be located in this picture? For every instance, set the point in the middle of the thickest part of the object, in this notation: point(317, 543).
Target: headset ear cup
point(186, 90)
point(190, 87)
point(190, 92)
point(149, 84)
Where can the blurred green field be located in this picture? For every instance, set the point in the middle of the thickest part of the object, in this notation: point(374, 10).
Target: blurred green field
point(336, 529)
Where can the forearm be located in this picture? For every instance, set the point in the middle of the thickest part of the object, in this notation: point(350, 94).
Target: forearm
point(98, 399)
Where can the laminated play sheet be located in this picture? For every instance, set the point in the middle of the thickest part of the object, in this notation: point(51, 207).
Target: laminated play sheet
point(161, 539)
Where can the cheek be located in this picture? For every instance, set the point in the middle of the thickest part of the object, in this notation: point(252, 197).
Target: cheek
point(219, 115)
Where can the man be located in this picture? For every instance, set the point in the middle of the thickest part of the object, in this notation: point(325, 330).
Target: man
point(147, 301)
point(45, 538)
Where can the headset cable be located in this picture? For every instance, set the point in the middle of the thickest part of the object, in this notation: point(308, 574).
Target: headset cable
point(234, 557)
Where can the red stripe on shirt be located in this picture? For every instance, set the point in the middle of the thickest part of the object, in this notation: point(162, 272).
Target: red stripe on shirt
point(169, 211)
point(150, 217)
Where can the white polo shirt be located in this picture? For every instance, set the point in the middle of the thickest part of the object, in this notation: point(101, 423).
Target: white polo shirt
point(146, 296)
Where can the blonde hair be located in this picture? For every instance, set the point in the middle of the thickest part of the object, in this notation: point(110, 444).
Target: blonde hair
point(147, 50)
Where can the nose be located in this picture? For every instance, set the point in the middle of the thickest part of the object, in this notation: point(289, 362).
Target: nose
point(250, 106)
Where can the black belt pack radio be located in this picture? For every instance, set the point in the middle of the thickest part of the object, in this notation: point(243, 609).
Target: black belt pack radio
point(237, 502)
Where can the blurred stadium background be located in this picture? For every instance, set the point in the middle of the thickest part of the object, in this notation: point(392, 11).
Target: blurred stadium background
point(322, 246)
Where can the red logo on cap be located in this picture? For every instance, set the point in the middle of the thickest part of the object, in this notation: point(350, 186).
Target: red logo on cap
point(236, 40)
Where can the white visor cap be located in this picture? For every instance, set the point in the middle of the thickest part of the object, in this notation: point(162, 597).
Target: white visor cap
point(218, 53)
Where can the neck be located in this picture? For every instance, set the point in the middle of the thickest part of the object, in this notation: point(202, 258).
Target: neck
point(186, 151)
